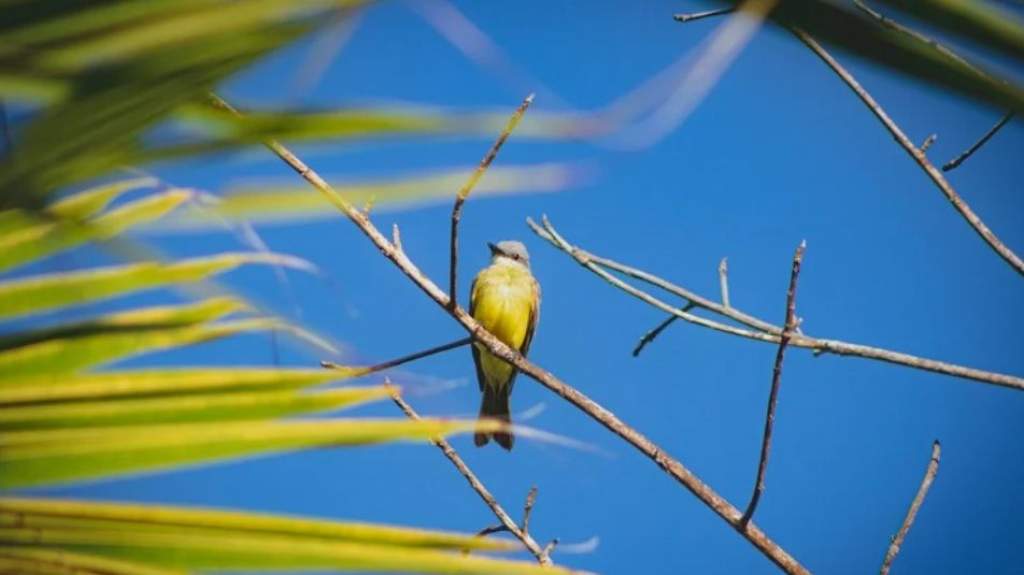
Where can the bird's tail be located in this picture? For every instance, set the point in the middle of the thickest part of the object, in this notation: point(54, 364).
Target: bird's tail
point(495, 406)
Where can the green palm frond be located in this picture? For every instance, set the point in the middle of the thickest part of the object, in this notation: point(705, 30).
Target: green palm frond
point(915, 55)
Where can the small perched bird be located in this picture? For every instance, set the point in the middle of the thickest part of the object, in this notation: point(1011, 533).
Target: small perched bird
point(505, 300)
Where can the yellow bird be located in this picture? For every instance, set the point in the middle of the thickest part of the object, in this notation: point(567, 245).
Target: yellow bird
point(505, 300)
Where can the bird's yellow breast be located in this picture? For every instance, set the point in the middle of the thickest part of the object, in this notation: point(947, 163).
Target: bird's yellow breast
point(503, 301)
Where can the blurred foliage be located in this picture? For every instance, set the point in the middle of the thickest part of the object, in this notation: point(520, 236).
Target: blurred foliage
point(984, 24)
point(102, 81)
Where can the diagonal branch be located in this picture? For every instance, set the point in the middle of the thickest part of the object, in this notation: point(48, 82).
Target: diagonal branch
point(771, 333)
point(673, 467)
point(464, 192)
point(918, 156)
point(955, 162)
point(915, 506)
point(773, 396)
point(507, 523)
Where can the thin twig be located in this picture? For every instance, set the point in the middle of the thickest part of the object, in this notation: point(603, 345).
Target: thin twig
point(490, 530)
point(927, 143)
point(701, 15)
point(769, 333)
point(507, 523)
point(531, 500)
point(952, 164)
point(550, 547)
point(915, 506)
point(654, 333)
point(396, 237)
point(673, 467)
point(918, 156)
point(399, 361)
point(773, 396)
point(464, 192)
point(723, 280)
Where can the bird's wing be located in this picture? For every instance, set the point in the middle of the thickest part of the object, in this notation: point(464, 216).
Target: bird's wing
point(534, 317)
point(472, 346)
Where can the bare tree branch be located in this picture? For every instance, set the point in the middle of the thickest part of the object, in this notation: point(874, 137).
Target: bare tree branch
point(460, 198)
point(507, 523)
point(674, 468)
point(915, 506)
point(773, 396)
point(918, 156)
point(955, 162)
point(399, 361)
point(769, 333)
point(701, 15)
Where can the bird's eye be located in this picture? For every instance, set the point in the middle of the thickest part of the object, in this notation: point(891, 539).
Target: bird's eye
point(515, 256)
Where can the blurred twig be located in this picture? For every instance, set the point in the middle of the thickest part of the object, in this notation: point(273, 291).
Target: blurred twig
point(464, 192)
point(654, 333)
point(690, 17)
point(915, 506)
point(763, 331)
point(401, 360)
point(918, 156)
point(955, 162)
point(773, 396)
point(507, 523)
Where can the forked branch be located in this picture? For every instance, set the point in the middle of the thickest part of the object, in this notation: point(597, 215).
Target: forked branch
point(763, 331)
point(915, 153)
point(507, 523)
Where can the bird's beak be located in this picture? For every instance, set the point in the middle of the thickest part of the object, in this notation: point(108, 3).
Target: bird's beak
point(495, 250)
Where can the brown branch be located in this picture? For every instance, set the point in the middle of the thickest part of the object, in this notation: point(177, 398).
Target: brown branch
point(918, 156)
point(915, 506)
point(507, 524)
point(773, 396)
point(464, 192)
point(723, 280)
point(399, 361)
point(770, 333)
point(701, 15)
point(952, 164)
point(674, 468)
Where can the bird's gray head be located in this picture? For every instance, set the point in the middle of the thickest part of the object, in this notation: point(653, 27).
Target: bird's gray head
point(512, 250)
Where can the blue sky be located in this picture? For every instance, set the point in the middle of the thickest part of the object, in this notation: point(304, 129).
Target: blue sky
point(780, 151)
